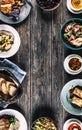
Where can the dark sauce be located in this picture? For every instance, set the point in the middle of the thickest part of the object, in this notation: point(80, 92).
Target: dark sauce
point(48, 4)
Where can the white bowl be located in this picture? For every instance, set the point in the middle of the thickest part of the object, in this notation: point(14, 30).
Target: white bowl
point(66, 64)
point(70, 121)
point(18, 115)
point(74, 9)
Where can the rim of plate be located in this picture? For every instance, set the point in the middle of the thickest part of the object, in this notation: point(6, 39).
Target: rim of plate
point(18, 115)
point(15, 47)
point(62, 101)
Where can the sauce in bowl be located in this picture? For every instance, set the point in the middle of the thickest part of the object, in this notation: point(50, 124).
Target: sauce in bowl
point(77, 4)
point(74, 126)
point(74, 64)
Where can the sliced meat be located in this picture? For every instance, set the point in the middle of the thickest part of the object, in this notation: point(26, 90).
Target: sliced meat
point(4, 124)
point(68, 27)
point(76, 28)
point(72, 37)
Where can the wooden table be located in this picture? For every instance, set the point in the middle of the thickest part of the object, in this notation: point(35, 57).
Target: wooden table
point(41, 55)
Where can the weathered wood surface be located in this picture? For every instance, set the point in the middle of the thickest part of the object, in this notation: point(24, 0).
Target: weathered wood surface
point(41, 55)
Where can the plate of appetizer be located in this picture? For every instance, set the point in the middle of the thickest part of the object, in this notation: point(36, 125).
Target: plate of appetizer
point(71, 97)
point(14, 11)
point(73, 64)
point(71, 34)
point(43, 123)
point(11, 119)
point(9, 41)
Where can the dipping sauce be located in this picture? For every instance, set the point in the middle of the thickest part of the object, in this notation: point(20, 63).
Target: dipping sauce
point(48, 4)
point(77, 4)
point(74, 126)
point(74, 64)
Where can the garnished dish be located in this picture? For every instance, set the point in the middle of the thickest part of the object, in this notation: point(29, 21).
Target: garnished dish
point(76, 96)
point(48, 4)
point(74, 64)
point(73, 33)
point(11, 119)
point(9, 122)
point(71, 97)
point(6, 40)
point(11, 7)
point(43, 124)
point(77, 4)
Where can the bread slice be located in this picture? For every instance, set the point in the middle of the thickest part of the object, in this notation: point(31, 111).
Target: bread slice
point(77, 101)
point(12, 90)
point(77, 92)
point(6, 9)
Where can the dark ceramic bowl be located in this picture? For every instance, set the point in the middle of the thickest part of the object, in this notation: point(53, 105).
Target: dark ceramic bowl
point(42, 118)
point(64, 41)
point(50, 7)
point(5, 101)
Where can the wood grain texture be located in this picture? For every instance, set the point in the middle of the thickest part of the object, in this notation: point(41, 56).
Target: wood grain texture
point(41, 55)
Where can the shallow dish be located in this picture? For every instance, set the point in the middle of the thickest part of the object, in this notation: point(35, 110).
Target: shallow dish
point(15, 45)
point(48, 9)
point(18, 115)
point(71, 10)
point(69, 121)
point(24, 12)
point(5, 100)
point(66, 64)
point(64, 97)
point(64, 41)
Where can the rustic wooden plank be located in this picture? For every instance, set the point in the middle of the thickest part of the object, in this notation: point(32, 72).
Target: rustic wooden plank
point(40, 62)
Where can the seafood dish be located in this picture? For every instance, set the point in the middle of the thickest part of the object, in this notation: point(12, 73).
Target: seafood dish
point(6, 40)
point(73, 34)
point(11, 7)
point(76, 96)
point(43, 124)
point(9, 122)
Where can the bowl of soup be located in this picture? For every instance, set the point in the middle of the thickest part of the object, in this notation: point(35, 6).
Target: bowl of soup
point(76, 5)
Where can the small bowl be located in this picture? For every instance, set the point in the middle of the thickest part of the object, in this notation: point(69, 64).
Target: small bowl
point(71, 121)
point(74, 9)
point(42, 118)
point(67, 66)
point(6, 100)
point(48, 9)
point(64, 41)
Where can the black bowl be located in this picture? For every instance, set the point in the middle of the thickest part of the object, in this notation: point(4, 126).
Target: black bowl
point(48, 5)
point(7, 75)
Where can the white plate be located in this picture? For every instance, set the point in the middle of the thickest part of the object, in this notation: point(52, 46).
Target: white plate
point(18, 115)
point(16, 44)
point(68, 122)
point(66, 66)
point(64, 97)
point(72, 11)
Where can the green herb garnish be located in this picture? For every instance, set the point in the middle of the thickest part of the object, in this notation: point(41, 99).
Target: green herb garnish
point(77, 2)
point(13, 120)
point(3, 39)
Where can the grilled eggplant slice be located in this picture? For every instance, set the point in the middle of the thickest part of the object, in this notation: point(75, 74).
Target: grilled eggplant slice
point(76, 101)
point(77, 92)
